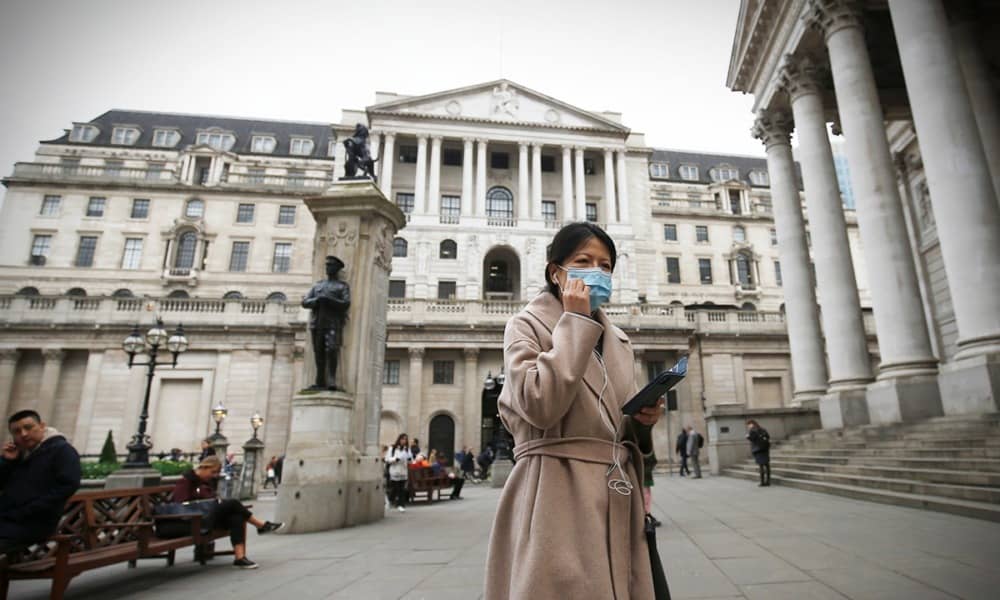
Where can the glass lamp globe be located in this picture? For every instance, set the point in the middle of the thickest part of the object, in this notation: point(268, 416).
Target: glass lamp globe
point(219, 413)
point(501, 378)
point(157, 334)
point(256, 421)
point(133, 343)
point(178, 343)
point(490, 383)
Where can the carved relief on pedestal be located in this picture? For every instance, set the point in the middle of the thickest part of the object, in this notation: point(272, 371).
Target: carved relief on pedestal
point(383, 248)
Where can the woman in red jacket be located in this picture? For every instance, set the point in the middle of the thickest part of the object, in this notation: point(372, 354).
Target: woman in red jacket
point(199, 484)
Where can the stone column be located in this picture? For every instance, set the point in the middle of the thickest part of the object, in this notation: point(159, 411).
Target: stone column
point(968, 35)
point(846, 343)
point(963, 198)
point(536, 180)
point(434, 194)
point(481, 177)
point(523, 187)
point(8, 367)
point(414, 393)
point(420, 179)
point(805, 340)
point(388, 162)
point(568, 214)
point(88, 397)
point(906, 388)
point(623, 206)
point(468, 204)
point(581, 185)
point(610, 208)
point(50, 381)
point(373, 148)
point(472, 406)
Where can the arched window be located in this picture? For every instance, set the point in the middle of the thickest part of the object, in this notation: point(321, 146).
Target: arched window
point(122, 293)
point(195, 208)
point(739, 234)
point(28, 291)
point(186, 244)
point(399, 247)
point(748, 306)
point(277, 297)
point(233, 295)
point(449, 249)
point(500, 203)
point(178, 294)
point(77, 292)
point(744, 271)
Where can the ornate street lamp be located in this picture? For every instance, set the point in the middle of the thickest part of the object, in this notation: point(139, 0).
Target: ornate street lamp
point(252, 450)
point(256, 421)
point(219, 415)
point(135, 343)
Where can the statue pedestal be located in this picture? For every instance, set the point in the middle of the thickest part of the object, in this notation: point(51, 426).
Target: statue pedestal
point(500, 471)
point(333, 468)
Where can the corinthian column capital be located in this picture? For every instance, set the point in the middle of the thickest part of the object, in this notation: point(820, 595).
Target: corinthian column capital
point(772, 128)
point(830, 16)
point(798, 76)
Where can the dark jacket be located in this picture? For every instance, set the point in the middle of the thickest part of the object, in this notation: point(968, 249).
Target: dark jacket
point(35, 490)
point(760, 441)
point(682, 444)
point(191, 488)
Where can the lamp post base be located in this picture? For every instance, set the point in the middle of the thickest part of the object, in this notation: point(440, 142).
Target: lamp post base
point(133, 478)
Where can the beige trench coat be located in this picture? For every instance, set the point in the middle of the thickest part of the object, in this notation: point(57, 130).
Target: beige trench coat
point(560, 531)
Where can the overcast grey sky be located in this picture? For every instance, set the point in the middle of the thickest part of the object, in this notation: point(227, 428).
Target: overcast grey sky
point(662, 63)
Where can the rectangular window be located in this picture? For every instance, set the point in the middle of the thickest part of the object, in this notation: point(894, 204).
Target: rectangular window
point(777, 273)
point(296, 177)
point(446, 290)
point(588, 167)
point(85, 251)
point(774, 237)
point(132, 255)
point(701, 233)
point(591, 212)
point(405, 202)
point(549, 210)
point(735, 206)
point(262, 144)
point(654, 368)
point(95, 207)
point(50, 206)
point(113, 168)
point(705, 270)
point(282, 262)
point(155, 170)
point(140, 208)
point(548, 164)
point(239, 256)
point(390, 373)
point(673, 269)
point(451, 206)
point(255, 175)
point(658, 170)
point(670, 232)
point(689, 173)
point(166, 138)
point(408, 154)
point(451, 157)
point(444, 372)
point(397, 288)
point(499, 160)
point(286, 215)
point(244, 213)
point(301, 146)
point(124, 136)
point(40, 246)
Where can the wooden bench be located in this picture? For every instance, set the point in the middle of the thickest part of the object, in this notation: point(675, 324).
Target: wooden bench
point(101, 528)
point(422, 480)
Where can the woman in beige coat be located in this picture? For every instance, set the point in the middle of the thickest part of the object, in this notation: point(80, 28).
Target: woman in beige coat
point(570, 519)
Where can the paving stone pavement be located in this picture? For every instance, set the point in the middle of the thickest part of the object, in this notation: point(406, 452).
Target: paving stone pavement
point(722, 538)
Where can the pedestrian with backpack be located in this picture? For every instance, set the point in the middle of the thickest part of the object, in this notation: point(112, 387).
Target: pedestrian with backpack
point(760, 447)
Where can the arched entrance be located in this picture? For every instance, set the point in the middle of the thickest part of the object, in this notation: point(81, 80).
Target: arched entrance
point(501, 274)
point(442, 437)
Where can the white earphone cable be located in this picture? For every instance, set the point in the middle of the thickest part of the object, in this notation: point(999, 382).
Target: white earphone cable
point(621, 483)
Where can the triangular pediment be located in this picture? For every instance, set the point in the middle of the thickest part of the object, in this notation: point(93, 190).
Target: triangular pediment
point(500, 101)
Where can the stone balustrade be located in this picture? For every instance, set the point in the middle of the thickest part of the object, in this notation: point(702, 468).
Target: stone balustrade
point(91, 173)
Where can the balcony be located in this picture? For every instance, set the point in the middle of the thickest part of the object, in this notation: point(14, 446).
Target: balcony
point(285, 182)
point(501, 222)
point(93, 174)
point(448, 219)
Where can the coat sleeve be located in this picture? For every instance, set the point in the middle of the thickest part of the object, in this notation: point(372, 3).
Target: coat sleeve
point(182, 490)
point(65, 474)
point(541, 386)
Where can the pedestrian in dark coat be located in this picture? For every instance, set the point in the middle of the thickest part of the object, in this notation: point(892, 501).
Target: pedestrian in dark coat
point(760, 447)
point(682, 449)
point(40, 470)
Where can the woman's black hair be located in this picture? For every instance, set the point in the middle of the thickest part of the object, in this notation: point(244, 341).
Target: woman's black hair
point(567, 240)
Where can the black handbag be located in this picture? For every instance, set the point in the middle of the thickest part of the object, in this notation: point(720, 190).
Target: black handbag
point(174, 528)
point(660, 589)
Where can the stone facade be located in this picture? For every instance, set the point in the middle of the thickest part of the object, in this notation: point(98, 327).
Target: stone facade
point(485, 175)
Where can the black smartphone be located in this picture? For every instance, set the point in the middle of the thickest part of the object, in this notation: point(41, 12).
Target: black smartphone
point(650, 395)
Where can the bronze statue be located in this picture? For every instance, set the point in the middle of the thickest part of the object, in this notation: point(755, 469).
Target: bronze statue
point(358, 155)
point(328, 300)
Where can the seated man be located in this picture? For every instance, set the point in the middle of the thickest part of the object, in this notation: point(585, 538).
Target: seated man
point(39, 471)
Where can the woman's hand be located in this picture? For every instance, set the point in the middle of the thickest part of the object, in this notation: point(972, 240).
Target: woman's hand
point(576, 297)
point(650, 414)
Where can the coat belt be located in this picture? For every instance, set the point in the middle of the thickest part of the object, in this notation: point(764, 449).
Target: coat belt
point(587, 449)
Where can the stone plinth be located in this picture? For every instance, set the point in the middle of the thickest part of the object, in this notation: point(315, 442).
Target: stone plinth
point(971, 386)
point(500, 471)
point(132, 478)
point(844, 408)
point(333, 468)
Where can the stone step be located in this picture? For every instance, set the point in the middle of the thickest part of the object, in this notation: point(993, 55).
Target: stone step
point(972, 453)
point(977, 510)
point(991, 465)
point(907, 486)
point(929, 442)
point(947, 476)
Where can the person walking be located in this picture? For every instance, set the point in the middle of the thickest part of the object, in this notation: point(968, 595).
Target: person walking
point(278, 466)
point(398, 458)
point(694, 443)
point(269, 474)
point(570, 520)
point(468, 464)
point(760, 447)
point(682, 449)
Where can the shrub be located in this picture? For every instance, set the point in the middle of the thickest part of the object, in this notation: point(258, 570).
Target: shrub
point(100, 470)
point(109, 456)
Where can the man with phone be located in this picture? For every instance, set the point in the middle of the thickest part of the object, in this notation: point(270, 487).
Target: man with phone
point(39, 471)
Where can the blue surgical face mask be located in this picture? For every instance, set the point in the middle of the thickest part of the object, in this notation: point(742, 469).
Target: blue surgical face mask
point(597, 279)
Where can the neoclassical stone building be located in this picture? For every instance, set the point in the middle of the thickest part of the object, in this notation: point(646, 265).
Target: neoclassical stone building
point(200, 220)
point(927, 210)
